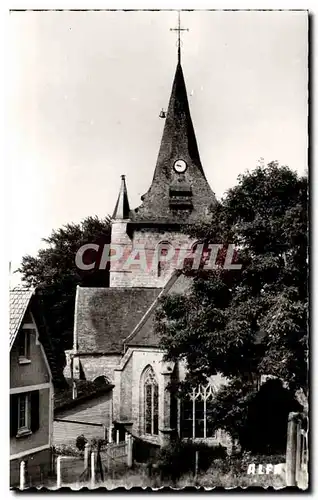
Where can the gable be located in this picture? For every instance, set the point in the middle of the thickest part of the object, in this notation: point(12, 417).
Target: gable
point(25, 304)
point(34, 368)
point(19, 299)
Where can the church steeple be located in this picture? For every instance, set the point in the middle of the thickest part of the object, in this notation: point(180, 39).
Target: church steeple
point(179, 192)
point(122, 205)
point(179, 196)
point(178, 139)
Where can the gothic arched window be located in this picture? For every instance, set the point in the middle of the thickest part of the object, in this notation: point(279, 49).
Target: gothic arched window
point(150, 389)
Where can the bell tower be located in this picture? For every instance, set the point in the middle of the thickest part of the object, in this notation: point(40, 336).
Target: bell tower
point(179, 194)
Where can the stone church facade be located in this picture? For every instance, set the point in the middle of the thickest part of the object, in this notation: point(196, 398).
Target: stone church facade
point(114, 328)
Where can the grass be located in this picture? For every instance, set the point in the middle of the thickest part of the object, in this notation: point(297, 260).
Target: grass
point(220, 475)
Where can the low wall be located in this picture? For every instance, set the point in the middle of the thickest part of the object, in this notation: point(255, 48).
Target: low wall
point(38, 468)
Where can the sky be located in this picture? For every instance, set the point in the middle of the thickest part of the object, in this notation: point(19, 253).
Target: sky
point(86, 88)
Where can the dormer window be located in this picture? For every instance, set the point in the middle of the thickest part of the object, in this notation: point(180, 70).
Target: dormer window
point(24, 346)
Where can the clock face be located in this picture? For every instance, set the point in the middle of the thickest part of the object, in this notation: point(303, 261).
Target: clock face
point(180, 166)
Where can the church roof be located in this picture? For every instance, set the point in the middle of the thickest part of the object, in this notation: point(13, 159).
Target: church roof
point(145, 333)
point(122, 205)
point(177, 196)
point(104, 317)
point(108, 318)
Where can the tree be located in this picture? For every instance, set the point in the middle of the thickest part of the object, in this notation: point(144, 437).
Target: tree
point(54, 272)
point(253, 321)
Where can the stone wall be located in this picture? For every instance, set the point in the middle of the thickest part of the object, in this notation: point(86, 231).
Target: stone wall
point(95, 366)
point(136, 275)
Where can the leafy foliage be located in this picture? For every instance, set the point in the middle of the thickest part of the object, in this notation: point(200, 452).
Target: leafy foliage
point(178, 458)
point(253, 321)
point(55, 273)
point(81, 442)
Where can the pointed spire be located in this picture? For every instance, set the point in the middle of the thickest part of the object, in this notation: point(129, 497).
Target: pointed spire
point(122, 206)
point(178, 135)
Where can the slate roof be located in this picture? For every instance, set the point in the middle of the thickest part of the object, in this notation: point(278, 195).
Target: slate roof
point(104, 317)
point(145, 335)
point(63, 399)
point(122, 205)
point(19, 299)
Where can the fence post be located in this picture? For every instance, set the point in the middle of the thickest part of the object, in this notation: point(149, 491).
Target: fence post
point(129, 450)
point(108, 458)
point(110, 437)
point(58, 472)
point(291, 450)
point(22, 475)
point(86, 456)
point(117, 436)
point(92, 469)
point(298, 451)
point(196, 467)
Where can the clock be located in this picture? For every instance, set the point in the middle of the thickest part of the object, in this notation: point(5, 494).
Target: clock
point(180, 166)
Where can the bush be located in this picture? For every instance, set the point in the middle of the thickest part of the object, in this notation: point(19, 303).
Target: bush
point(238, 464)
point(144, 452)
point(81, 442)
point(66, 450)
point(178, 458)
point(97, 443)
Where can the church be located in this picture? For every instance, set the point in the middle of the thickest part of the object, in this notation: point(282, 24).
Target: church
point(114, 331)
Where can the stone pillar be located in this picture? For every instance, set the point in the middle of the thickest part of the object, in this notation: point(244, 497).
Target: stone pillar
point(86, 456)
point(291, 451)
point(58, 472)
point(93, 469)
point(129, 445)
point(22, 475)
point(115, 411)
point(165, 430)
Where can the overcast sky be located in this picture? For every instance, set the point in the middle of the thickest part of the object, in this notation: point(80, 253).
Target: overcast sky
point(86, 89)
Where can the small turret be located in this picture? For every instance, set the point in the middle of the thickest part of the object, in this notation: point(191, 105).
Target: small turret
point(122, 206)
point(120, 240)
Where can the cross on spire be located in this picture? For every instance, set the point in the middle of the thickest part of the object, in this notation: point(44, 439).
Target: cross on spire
point(179, 29)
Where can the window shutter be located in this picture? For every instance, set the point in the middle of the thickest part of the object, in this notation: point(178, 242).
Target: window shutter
point(13, 415)
point(35, 411)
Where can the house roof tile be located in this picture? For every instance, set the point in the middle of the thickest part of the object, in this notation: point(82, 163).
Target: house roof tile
point(19, 299)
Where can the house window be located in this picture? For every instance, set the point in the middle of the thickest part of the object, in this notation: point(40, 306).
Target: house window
point(150, 402)
point(24, 413)
point(196, 410)
point(24, 346)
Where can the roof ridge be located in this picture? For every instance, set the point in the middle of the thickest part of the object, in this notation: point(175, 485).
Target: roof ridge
point(117, 287)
